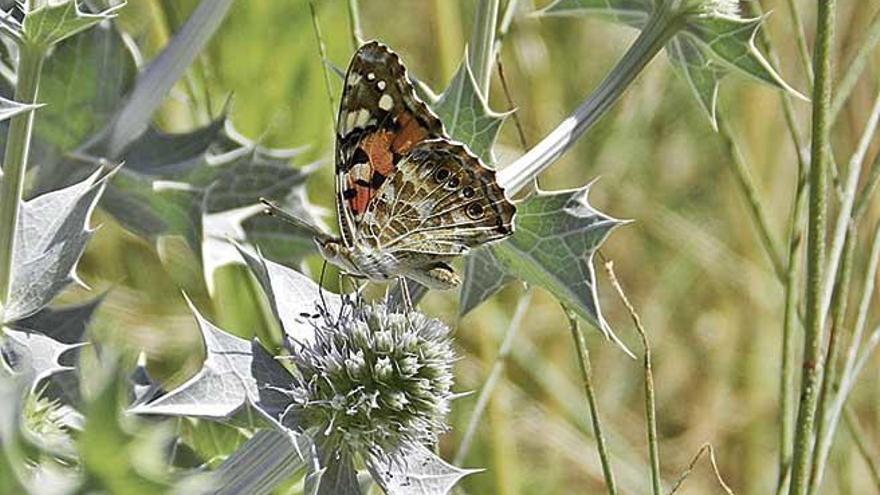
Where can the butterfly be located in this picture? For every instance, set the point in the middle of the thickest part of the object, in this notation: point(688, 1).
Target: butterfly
point(409, 199)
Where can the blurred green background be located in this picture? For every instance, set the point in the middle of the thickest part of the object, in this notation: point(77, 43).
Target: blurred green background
point(691, 263)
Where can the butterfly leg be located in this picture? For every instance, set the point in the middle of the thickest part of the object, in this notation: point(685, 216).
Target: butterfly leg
point(436, 276)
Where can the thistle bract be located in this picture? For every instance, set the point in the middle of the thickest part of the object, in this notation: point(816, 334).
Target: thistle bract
point(372, 378)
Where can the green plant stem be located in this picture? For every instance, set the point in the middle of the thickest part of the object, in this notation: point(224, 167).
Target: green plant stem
point(860, 60)
point(858, 436)
point(822, 448)
point(845, 209)
point(580, 345)
point(663, 24)
point(322, 52)
point(650, 399)
point(15, 161)
point(797, 25)
point(482, 46)
point(812, 356)
point(494, 376)
point(354, 17)
point(750, 190)
point(871, 183)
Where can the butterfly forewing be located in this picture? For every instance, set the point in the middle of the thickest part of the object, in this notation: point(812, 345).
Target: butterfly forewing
point(380, 120)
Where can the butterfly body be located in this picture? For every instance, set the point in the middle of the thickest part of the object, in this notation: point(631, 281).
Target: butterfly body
point(409, 198)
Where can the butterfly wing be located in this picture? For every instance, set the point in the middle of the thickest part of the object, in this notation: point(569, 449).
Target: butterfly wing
point(441, 202)
point(380, 120)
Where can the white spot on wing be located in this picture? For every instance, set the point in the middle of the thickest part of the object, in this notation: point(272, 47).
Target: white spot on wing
point(353, 79)
point(371, 76)
point(361, 171)
point(386, 102)
point(363, 117)
point(381, 85)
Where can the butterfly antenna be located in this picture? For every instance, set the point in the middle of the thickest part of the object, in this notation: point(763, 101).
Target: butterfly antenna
point(276, 211)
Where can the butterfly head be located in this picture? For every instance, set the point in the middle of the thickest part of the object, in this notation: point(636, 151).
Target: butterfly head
point(335, 252)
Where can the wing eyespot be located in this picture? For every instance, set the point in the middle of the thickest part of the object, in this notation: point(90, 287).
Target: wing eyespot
point(453, 183)
point(441, 175)
point(475, 211)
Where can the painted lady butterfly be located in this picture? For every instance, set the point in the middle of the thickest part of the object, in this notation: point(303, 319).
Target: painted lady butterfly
point(409, 199)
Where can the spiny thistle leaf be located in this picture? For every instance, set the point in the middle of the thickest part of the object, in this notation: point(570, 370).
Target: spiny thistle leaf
point(556, 235)
point(10, 108)
point(466, 115)
point(414, 470)
point(50, 237)
point(221, 387)
point(66, 324)
point(712, 41)
point(34, 355)
point(484, 276)
point(52, 21)
point(338, 475)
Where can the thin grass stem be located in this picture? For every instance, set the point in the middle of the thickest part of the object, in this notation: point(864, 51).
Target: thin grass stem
point(858, 436)
point(322, 52)
point(853, 72)
point(854, 172)
point(650, 399)
point(821, 450)
point(583, 354)
point(495, 375)
point(867, 193)
point(15, 161)
point(354, 19)
point(812, 356)
point(797, 24)
point(750, 190)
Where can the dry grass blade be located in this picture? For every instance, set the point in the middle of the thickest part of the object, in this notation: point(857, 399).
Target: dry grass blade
point(705, 449)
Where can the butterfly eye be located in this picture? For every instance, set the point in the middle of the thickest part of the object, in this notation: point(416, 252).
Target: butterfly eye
point(475, 211)
point(441, 175)
point(468, 192)
point(452, 183)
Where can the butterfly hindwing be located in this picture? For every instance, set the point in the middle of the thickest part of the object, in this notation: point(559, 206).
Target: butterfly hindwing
point(380, 120)
point(441, 202)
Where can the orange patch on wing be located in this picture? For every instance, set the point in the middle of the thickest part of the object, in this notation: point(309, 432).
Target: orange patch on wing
point(377, 146)
point(361, 199)
point(411, 133)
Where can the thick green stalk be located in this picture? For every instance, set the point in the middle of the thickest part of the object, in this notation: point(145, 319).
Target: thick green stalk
point(481, 51)
point(583, 354)
point(664, 23)
point(15, 161)
point(812, 357)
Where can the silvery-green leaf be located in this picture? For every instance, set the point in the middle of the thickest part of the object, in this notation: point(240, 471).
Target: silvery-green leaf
point(66, 324)
point(53, 21)
point(553, 244)
point(701, 73)
point(50, 237)
point(222, 386)
point(338, 476)
point(414, 470)
point(292, 296)
point(274, 386)
point(266, 460)
point(484, 275)
point(34, 355)
point(712, 41)
point(13, 476)
point(631, 12)
point(154, 83)
point(159, 153)
point(466, 115)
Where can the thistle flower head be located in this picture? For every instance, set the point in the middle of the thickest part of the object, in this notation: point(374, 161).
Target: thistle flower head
point(373, 378)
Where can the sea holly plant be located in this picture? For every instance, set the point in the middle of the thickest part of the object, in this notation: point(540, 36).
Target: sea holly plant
point(357, 382)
